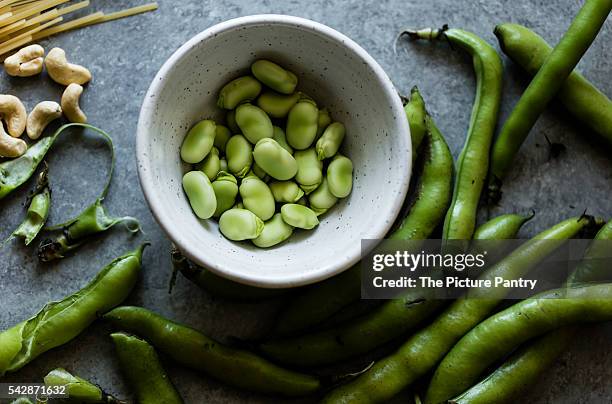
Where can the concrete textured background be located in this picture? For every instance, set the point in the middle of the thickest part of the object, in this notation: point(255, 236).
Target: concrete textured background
point(124, 56)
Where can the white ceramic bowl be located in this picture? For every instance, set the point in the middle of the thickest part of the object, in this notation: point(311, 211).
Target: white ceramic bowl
point(339, 75)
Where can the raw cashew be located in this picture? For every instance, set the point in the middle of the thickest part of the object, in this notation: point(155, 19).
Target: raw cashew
point(63, 72)
point(14, 114)
point(11, 146)
point(70, 103)
point(26, 62)
point(43, 113)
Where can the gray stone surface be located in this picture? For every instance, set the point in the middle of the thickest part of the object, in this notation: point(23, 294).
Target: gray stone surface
point(124, 56)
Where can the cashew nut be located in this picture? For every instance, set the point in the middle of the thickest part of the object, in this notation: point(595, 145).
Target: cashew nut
point(70, 103)
point(42, 114)
point(14, 114)
point(63, 72)
point(26, 62)
point(11, 146)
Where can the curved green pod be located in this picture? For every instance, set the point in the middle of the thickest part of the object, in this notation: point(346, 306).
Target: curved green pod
point(143, 370)
point(275, 160)
point(277, 105)
point(240, 224)
point(254, 123)
point(275, 231)
point(239, 155)
point(226, 190)
point(61, 321)
point(38, 211)
point(79, 389)
point(257, 197)
point(198, 142)
point(415, 113)
point(302, 124)
point(237, 91)
point(274, 76)
point(195, 350)
point(200, 193)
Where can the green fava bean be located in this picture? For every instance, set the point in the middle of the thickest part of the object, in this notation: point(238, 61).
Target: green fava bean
point(222, 135)
point(328, 145)
point(302, 124)
point(277, 105)
point(321, 199)
point(286, 191)
point(310, 169)
point(323, 121)
point(78, 389)
point(279, 136)
point(275, 160)
point(340, 176)
point(275, 231)
point(299, 216)
point(239, 154)
point(254, 123)
point(274, 76)
point(237, 91)
point(240, 224)
point(211, 164)
point(198, 142)
point(257, 197)
point(223, 165)
point(230, 120)
point(226, 190)
point(200, 193)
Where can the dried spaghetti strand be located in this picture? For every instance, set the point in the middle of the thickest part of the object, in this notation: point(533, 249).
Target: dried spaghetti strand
point(78, 23)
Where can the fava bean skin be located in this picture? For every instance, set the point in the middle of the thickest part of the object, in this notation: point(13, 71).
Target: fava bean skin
point(193, 349)
point(299, 216)
point(198, 142)
point(340, 176)
point(329, 143)
point(473, 162)
point(230, 120)
point(211, 164)
point(275, 160)
point(239, 154)
point(257, 197)
point(226, 190)
point(78, 389)
point(302, 124)
point(310, 169)
point(321, 199)
point(277, 105)
point(240, 224)
point(222, 135)
point(274, 76)
point(200, 193)
point(237, 91)
point(544, 87)
point(143, 370)
point(279, 136)
point(275, 231)
point(286, 191)
point(424, 349)
point(254, 123)
point(498, 335)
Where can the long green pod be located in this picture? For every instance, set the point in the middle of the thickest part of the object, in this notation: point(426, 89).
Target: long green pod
point(143, 370)
point(415, 113)
point(578, 95)
point(79, 390)
point(322, 300)
point(218, 286)
point(427, 347)
point(544, 87)
point(61, 321)
point(193, 349)
point(15, 172)
point(389, 321)
point(473, 161)
point(522, 369)
point(498, 335)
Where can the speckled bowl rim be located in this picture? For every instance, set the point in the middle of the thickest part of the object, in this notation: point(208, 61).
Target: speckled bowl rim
point(145, 177)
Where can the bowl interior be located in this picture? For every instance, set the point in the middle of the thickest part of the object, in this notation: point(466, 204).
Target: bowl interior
point(340, 76)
